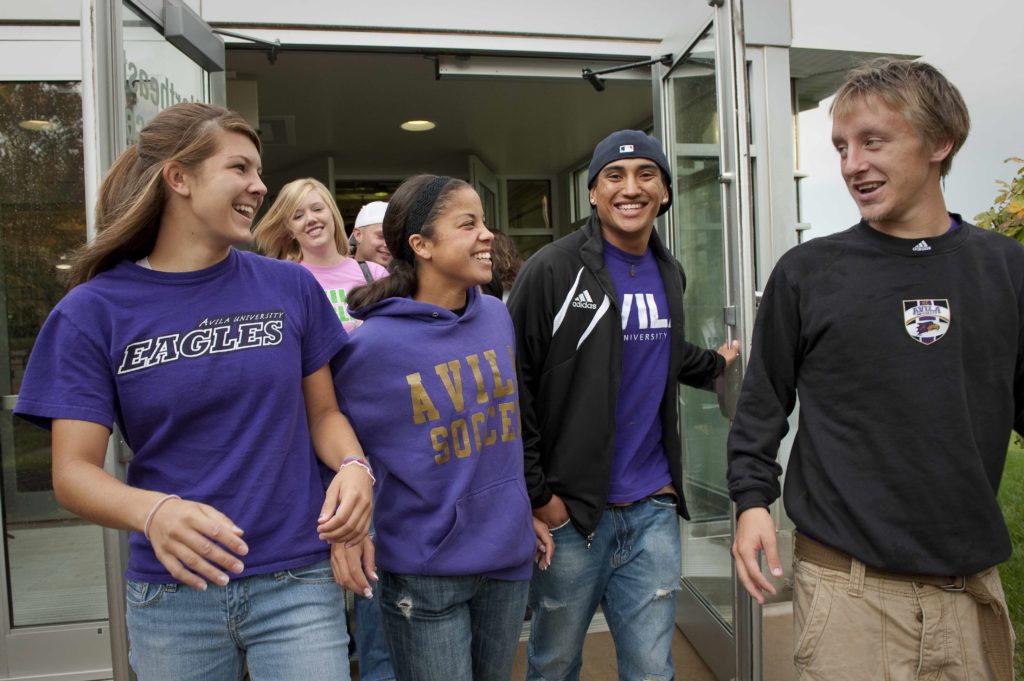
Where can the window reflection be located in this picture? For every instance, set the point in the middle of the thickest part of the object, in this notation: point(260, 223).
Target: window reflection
point(55, 562)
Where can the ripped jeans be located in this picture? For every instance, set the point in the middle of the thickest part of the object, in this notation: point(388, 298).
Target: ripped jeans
point(451, 628)
point(632, 570)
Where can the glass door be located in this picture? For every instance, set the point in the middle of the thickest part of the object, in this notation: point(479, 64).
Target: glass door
point(485, 182)
point(709, 232)
point(61, 589)
point(55, 584)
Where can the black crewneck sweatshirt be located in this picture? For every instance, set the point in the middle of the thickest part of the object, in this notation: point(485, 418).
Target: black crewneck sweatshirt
point(906, 357)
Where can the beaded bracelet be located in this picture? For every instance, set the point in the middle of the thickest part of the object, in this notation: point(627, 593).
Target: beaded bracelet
point(152, 512)
point(358, 461)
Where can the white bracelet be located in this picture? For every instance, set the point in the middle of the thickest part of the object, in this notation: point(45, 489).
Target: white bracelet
point(152, 512)
point(355, 461)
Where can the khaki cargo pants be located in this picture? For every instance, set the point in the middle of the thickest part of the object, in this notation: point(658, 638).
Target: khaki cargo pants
point(853, 627)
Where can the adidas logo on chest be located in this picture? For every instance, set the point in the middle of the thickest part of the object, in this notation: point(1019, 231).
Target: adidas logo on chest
point(584, 301)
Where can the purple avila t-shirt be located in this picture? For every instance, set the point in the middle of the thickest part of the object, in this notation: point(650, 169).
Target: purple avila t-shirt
point(203, 373)
point(434, 400)
point(639, 466)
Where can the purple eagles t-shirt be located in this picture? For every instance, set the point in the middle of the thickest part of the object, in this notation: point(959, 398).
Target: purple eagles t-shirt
point(203, 373)
point(639, 466)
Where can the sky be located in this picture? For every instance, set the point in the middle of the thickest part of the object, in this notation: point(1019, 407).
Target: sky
point(978, 46)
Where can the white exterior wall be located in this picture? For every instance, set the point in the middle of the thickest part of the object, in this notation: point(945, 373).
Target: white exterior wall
point(592, 18)
point(585, 27)
point(976, 45)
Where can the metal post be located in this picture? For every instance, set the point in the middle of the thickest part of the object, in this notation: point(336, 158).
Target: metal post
point(103, 130)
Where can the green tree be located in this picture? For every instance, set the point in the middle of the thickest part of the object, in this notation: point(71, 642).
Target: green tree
point(1007, 215)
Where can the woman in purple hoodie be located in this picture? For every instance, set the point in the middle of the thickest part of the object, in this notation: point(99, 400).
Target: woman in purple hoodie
point(428, 382)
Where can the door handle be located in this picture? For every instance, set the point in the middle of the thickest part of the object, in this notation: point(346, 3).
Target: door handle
point(727, 386)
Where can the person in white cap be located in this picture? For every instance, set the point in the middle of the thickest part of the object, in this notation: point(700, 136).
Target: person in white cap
point(368, 234)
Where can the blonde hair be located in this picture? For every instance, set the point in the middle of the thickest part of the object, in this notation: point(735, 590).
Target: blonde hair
point(272, 235)
point(132, 195)
point(917, 91)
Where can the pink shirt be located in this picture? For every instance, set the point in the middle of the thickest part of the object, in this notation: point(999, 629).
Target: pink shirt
point(338, 280)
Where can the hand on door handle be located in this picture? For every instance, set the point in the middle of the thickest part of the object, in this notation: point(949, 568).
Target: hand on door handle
point(727, 384)
point(729, 352)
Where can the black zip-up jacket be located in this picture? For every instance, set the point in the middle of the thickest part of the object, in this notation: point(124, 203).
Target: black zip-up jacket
point(570, 360)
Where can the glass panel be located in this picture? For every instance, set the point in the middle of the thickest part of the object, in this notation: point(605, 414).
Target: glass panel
point(157, 75)
point(55, 561)
point(697, 203)
point(489, 202)
point(352, 195)
point(580, 194)
point(529, 204)
point(528, 244)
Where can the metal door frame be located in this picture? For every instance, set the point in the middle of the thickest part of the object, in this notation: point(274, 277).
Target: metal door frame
point(703, 628)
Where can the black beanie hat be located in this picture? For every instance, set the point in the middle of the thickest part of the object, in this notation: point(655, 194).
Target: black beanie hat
point(631, 144)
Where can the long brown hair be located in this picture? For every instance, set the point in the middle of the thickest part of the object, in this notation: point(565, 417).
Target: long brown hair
point(132, 194)
point(272, 235)
point(505, 259)
point(403, 282)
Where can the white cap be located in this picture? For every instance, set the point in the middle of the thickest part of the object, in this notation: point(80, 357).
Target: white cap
point(371, 214)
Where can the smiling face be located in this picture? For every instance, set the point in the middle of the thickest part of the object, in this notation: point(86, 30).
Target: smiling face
point(226, 191)
point(311, 223)
point(627, 195)
point(458, 255)
point(890, 171)
point(370, 244)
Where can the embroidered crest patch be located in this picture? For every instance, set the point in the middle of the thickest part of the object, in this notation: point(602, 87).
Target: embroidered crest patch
point(926, 320)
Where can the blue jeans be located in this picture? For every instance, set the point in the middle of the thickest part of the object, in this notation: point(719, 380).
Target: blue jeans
point(632, 570)
point(372, 649)
point(286, 625)
point(451, 628)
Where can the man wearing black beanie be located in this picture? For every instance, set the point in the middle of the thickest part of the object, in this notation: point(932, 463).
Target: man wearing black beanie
point(600, 345)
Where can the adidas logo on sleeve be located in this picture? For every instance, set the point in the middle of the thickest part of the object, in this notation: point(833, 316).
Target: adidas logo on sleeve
point(584, 301)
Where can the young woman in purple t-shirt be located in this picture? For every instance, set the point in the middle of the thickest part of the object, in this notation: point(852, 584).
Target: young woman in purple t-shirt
point(213, 364)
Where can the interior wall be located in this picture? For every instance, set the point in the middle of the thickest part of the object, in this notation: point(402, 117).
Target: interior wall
point(348, 106)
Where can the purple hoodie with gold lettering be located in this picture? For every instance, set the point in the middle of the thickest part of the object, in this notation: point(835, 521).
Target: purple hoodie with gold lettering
point(433, 397)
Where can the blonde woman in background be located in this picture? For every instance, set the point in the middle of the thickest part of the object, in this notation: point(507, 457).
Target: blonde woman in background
point(304, 225)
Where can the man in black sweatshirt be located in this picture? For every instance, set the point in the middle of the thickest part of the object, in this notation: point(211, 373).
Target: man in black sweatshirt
point(902, 338)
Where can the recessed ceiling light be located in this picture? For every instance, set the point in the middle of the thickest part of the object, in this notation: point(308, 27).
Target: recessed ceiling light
point(418, 126)
point(38, 126)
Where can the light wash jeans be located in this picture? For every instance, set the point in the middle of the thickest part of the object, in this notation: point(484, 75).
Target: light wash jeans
point(632, 570)
point(286, 625)
point(451, 628)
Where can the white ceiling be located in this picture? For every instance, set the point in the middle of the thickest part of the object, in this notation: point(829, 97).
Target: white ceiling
point(349, 106)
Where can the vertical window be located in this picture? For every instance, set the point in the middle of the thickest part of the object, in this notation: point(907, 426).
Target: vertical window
point(42, 221)
point(529, 214)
